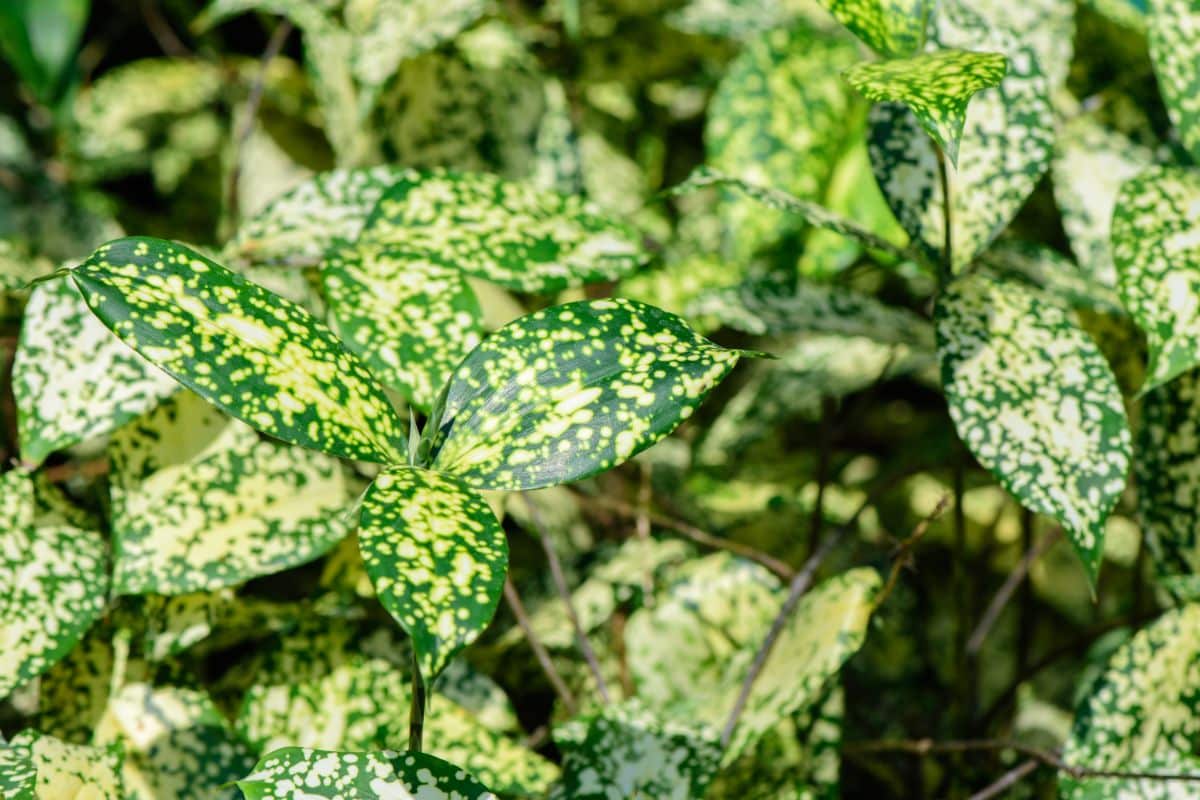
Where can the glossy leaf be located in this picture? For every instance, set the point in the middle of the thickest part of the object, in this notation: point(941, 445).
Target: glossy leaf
point(515, 235)
point(357, 776)
point(55, 575)
point(72, 378)
point(200, 502)
point(437, 557)
point(936, 86)
point(411, 317)
point(34, 766)
point(1156, 248)
point(1174, 36)
point(1036, 403)
point(251, 353)
point(889, 27)
point(570, 391)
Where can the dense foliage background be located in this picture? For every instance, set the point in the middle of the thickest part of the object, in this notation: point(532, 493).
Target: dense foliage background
point(980, 656)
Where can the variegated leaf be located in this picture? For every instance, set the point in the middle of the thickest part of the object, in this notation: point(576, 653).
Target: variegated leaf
point(72, 378)
point(1036, 403)
point(1005, 146)
point(935, 86)
point(1048, 26)
point(35, 766)
point(54, 576)
point(1174, 34)
point(387, 32)
point(73, 694)
point(570, 391)
point(520, 237)
point(741, 19)
point(437, 557)
point(1143, 706)
point(625, 750)
point(176, 744)
point(279, 775)
point(410, 316)
point(1156, 248)
point(199, 502)
point(893, 28)
point(1054, 273)
point(253, 354)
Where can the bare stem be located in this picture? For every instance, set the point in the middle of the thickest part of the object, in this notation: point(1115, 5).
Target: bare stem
point(416, 709)
point(539, 649)
point(902, 555)
point(1007, 780)
point(1006, 591)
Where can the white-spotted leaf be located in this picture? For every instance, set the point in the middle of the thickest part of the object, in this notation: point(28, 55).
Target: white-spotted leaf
point(1174, 36)
point(35, 766)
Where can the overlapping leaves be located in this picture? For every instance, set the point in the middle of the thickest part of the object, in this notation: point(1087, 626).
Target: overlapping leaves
point(34, 766)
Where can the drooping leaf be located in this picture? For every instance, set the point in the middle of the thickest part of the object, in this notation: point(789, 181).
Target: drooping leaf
point(510, 233)
point(1036, 403)
point(894, 28)
point(253, 354)
point(357, 776)
point(437, 557)
point(411, 317)
point(1156, 249)
point(935, 86)
point(1143, 706)
point(72, 378)
point(175, 742)
point(570, 391)
point(1174, 35)
point(1005, 146)
point(55, 575)
point(199, 502)
point(35, 766)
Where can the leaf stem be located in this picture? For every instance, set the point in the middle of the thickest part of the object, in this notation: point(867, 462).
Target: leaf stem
point(947, 265)
point(416, 709)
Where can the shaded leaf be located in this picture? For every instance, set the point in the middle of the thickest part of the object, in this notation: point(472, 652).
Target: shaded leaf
point(889, 27)
point(73, 694)
point(39, 38)
point(1174, 37)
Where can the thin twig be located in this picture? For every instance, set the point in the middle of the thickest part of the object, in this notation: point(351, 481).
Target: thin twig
point(902, 554)
point(75, 469)
point(1006, 591)
point(162, 31)
point(564, 593)
point(1007, 780)
point(539, 650)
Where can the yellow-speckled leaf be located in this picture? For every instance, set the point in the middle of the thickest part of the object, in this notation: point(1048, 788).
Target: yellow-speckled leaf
point(1156, 248)
point(936, 86)
point(437, 557)
point(889, 27)
point(1174, 34)
point(256, 356)
point(176, 744)
point(73, 694)
point(1036, 403)
point(411, 317)
point(200, 502)
point(571, 391)
point(1144, 706)
point(1048, 26)
point(54, 576)
point(35, 766)
point(72, 378)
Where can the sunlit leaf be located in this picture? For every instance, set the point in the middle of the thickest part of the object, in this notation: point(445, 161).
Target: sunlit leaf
point(1048, 26)
point(251, 353)
point(889, 27)
point(571, 391)
point(1174, 34)
point(1036, 403)
point(437, 557)
point(35, 766)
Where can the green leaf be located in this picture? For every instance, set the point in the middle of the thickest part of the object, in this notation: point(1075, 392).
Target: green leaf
point(520, 237)
point(357, 776)
point(889, 27)
point(437, 557)
point(1156, 248)
point(1036, 403)
point(175, 741)
point(570, 391)
point(389, 31)
point(936, 86)
point(35, 766)
point(1055, 274)
point(254, 355)
point(1143, 705)
point(1174, 37)
point(73, 694)
point(1047, 26)
point(72, 378)
point(200, 502)
point(56, 574)
point(1006, 144)
point(39, 38)
point(410, 316)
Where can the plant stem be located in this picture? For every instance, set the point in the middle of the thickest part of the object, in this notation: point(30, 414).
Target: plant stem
point(539, 649)
point(902, 556)
point(1006, 591)
point(947, 218)
point(416, 709)
point(1007, 780)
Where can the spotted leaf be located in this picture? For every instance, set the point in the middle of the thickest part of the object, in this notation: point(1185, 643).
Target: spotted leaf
point(251, 353)
point(437, 557)
point(199, 502)
point(889, 27)
point(1156, 248)
point(73, 694)
point(358, 776)
point(1174, 34)
point(72, 379)
point(55, 579)
point(35, 766)
point(1035, 401)
point(1005, 147)
point(936, 86)
point(510, 233)
point(570, 391)
point(411, 317)
point(1048, 26)
point(175, 741)
point(1144, 705)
